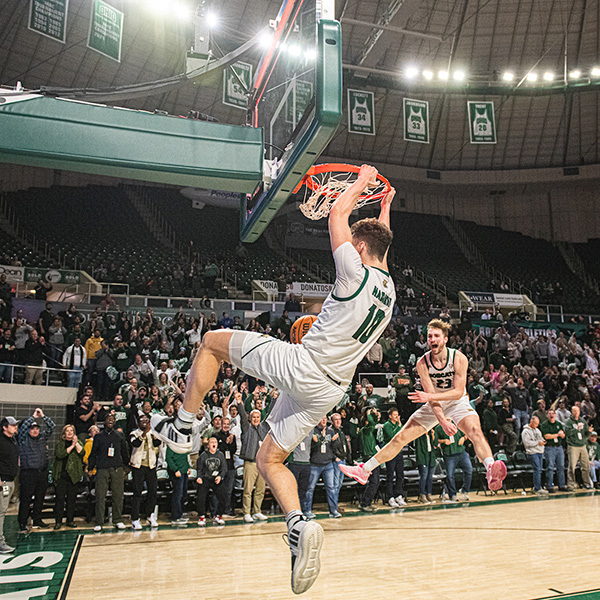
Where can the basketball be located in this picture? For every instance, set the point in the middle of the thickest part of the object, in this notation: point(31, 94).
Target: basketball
point(300, 328)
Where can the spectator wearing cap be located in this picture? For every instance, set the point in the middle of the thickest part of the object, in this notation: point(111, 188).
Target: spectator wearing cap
point(9, 467)
point(33, 479)
point(74, 359)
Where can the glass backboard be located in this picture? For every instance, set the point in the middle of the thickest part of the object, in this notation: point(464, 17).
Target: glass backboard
point(297, 101)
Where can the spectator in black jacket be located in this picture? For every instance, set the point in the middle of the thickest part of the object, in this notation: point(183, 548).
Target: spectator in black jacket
point(9, 467)
point(104, 359)
point(321, 465)
point(341, 452)
point(211, 468)
point(33, 478)
point(33, 356)
point(109, 456)
point(228, 446)
point(8, 355)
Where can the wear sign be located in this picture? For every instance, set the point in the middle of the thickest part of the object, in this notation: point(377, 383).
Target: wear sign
point(482, 125)
point(237, 80)
point(416, 121)
point(49, 17)
point(106, 30)
point(361, 112)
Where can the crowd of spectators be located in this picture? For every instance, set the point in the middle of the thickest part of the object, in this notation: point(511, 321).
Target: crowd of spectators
point(535, 394)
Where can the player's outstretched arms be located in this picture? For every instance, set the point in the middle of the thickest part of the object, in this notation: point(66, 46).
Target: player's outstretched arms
point(429, 392)
point(339, 229)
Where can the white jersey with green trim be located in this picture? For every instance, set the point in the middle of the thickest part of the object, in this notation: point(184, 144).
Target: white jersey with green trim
point(443, 378)
point(353, 317)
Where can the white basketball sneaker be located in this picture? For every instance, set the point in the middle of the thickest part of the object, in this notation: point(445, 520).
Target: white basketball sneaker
point(165, 430)
point(305, 539)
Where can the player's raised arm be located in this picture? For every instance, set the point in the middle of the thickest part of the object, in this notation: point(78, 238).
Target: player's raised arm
point(386, 203)
point(339, 229)
point(429, 394)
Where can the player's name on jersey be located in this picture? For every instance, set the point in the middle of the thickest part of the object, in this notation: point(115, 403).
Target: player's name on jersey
point(382, 296)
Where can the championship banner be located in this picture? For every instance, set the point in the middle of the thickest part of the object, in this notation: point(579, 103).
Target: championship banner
point(361, 112)
point(52, 276)
point(13, 274)
point(416, 121)
point(49, 18)
point(302, 92)
point(482, 124)
point(106, 30)
point(237, 79)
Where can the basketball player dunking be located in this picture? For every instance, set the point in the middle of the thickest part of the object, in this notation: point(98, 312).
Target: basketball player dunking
point(443, 373)
point(313, 375)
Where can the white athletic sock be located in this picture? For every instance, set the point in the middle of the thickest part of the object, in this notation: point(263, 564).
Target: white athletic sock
point(293, 517)
point(184, 419)
point(488, 461)
point(371, 465)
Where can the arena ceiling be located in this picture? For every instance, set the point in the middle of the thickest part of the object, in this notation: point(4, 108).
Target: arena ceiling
point(541, 124)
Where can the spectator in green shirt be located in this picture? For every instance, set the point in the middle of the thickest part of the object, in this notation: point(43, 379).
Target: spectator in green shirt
point(394, 468)
point(455, 455)
point(576, 430)
point(426, 459)
point(368, 443)
point(553, 431)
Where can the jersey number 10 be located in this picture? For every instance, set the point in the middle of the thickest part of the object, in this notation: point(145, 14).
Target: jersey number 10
point(369, 325)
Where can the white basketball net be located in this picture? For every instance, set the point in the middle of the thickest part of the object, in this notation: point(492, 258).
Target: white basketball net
point(326, 189)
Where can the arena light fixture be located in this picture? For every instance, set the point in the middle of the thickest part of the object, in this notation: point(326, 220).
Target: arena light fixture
point(443, 75)
point(459, 75)
point(310, 54)
point(212, 19)
point(548, 76)
point(428, 74)
point(508, 76)
point(294, 50)
point(596, 71)
point(411, 72)
point(576, 74)
point(532, 77)
point(265, 39)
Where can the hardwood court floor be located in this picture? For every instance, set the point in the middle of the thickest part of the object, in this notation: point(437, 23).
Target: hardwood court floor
point(508, 551)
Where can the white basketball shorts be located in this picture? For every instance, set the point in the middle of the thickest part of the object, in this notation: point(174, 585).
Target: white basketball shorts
point(455, 411)
point(306, 394)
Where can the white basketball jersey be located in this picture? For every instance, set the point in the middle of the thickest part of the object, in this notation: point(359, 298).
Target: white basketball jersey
point(443, 379)
point(347, 327)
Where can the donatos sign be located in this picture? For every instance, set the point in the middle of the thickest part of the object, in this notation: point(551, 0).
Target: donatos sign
point(38, 573)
